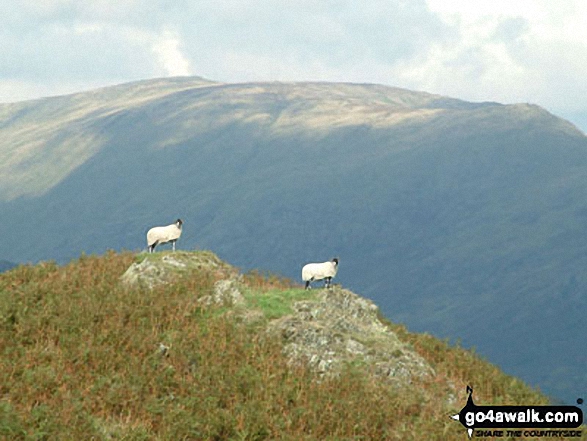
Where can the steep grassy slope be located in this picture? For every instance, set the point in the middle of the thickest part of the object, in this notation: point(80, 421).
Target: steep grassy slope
point(464, 220)
point(45, 140)
point(84, 356)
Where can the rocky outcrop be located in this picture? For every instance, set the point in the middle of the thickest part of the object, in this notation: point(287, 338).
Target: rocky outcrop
point(162, 268)
point(331, 329)
point(341, 327)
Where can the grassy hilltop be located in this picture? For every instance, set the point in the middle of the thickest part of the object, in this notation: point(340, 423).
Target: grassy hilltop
point(85, 354)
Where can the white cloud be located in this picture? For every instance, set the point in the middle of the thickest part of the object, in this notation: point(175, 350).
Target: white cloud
point(525, 50)
point(470, 11)
point(167, 48)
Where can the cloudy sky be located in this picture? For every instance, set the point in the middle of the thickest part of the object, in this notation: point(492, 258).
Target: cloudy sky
point(505, 50)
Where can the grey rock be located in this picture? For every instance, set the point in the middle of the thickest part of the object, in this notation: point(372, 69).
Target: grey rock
point(335, 329)
point(341, 328)
point(165, 267)
point(226, 293)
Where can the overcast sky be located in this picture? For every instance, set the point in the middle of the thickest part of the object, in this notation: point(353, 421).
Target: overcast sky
point(501, 50)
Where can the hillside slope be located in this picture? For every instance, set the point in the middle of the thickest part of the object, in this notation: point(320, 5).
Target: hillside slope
point(103, 349)
point(465, 220)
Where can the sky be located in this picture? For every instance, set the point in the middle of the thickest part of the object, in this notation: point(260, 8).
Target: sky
point(509, 51)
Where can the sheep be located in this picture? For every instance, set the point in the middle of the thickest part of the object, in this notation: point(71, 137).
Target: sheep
point(159, 235)
point(319, 271)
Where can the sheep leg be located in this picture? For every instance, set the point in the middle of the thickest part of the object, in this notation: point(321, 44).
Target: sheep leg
point(308, 285)
point(327, 282)
point(152, 247)
point(173, 244)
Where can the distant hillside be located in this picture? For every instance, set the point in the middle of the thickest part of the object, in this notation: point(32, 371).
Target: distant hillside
point(182, 346)
point(5, 265)
point(465, 220)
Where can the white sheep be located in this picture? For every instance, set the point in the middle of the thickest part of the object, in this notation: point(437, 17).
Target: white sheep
point(159, 235)
point(319, 271)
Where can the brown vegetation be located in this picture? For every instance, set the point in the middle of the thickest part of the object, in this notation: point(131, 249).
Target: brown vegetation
point(83, 356)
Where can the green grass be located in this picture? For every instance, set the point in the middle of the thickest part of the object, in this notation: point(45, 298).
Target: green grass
point(277, 302)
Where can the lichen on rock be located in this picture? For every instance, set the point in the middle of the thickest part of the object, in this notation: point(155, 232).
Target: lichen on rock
point(342, 327)
point(165, 267)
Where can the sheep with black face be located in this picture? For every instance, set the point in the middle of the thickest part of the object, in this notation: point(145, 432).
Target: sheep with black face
point(319, 271)
point(160, 235)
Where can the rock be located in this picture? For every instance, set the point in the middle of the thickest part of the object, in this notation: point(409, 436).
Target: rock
point(342, 327)
point(165, 267)
point(335, 328)
point(226, 293)
point(145, 273)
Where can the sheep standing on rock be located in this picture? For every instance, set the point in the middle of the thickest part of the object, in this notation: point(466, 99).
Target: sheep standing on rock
point(319, 271)
point(159, 235)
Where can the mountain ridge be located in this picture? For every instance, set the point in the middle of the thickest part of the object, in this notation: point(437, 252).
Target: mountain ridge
point(66, 146)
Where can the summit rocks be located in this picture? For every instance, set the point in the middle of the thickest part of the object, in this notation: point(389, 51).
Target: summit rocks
point(341, 327)
point(327, 329)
